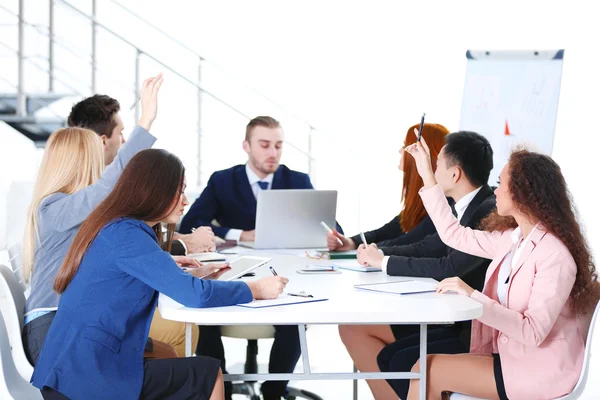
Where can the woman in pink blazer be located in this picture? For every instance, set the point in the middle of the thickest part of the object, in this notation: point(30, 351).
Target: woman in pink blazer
point(527, 345)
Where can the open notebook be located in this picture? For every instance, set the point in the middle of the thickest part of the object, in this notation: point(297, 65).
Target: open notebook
point(399, 287)
point(353, 265)
point(282, 300)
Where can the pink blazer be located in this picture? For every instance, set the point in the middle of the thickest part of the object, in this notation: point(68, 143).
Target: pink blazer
point(537, 336)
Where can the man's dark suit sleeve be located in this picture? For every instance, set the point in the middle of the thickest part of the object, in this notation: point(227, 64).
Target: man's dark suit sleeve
point(423, 259)
point(177, 248)
point(456, 264)
point(390, 230)
point(419, 232)
point(430, 246)
point(204, 210)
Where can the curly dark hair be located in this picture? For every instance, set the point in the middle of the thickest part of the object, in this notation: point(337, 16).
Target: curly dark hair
point(538, 189)
point(95, 113)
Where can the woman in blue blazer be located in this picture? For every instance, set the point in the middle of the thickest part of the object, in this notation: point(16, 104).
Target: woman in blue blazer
point(109, 283)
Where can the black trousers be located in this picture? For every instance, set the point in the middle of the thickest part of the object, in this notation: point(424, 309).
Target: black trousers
point(285, 353)
point(170, 378)
point(401, 355)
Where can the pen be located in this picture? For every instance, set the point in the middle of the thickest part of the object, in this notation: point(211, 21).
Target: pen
point(421, 127)
point(273, 271)
point(300, 295)
point(135, 103)
point(328, 229)
point(364, 240)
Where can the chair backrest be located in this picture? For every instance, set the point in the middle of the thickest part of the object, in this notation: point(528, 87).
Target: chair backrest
point(12, 306)
point(12, 384)
point(16, 261)
point(585, 370)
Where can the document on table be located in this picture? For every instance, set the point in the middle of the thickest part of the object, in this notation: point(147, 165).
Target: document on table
point(282, 300)
point(400, 287)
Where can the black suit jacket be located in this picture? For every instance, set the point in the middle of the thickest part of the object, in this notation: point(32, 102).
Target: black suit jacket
point(431, 258)
point(177, 248)
point(391, 234)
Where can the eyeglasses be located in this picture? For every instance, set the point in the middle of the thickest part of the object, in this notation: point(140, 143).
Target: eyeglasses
point(317, 255)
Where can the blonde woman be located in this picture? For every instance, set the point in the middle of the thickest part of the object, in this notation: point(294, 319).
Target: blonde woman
point(71, 182)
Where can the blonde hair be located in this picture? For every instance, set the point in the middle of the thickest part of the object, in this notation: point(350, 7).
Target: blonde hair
point(73, 160)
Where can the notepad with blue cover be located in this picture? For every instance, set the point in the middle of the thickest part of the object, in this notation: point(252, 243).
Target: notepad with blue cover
point(399, 287)
point(353, 265)
point(282, 300)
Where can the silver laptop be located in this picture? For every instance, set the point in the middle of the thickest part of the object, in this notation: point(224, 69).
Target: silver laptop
point(291, 218)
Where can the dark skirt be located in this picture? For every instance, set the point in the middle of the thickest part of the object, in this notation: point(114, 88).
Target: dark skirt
point(170, 379)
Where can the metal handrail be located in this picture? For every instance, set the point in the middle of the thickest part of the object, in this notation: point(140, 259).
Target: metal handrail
point(49, 31)
point(195, 53)
point(150, 56)
point(172, 70)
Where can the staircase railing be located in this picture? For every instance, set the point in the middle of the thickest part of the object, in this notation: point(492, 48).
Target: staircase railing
point(196, 84)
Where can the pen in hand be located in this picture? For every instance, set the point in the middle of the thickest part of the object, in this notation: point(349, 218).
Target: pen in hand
point(364, 240)
point(135, 103)
point(328, 229)
point(273, 271)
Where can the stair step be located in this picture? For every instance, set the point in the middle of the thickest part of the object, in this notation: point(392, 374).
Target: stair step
point(34, 101)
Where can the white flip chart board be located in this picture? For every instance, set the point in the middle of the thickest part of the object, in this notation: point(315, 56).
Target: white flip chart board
point(511, 97)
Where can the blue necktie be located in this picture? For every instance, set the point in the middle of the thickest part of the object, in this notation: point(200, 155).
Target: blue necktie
point(263, 185)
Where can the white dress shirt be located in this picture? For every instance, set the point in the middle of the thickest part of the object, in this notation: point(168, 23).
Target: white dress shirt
point(253, 179)
point(510, 261)
point(460, 206)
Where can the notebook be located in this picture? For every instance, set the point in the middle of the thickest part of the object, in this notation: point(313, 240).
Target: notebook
point(353, 265)
point(282, 300)
point(399, 287)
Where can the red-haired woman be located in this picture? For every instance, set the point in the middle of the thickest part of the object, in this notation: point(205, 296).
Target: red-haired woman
point(412, 224)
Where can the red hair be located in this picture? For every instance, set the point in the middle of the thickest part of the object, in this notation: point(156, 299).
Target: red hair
point(414, 211)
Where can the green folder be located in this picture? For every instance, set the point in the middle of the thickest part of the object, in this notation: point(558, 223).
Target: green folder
point(342, 255)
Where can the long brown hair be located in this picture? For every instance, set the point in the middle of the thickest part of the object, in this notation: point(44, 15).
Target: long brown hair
point(147, 190)
point(414, 211)
point(538, 189)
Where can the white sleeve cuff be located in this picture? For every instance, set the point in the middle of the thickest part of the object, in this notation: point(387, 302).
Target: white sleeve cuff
point(384, 263)
point(233, 234)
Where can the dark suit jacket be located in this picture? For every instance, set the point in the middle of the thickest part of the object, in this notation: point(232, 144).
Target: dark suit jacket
point(431, 258)
point(391, 234)
point(228, 198)
point(177, 248)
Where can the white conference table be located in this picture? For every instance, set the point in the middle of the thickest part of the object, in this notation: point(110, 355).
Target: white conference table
point(346, 305)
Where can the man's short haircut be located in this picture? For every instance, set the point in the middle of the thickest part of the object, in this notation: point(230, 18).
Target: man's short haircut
point(95, 113)
point(472, 153)
point(267, 122)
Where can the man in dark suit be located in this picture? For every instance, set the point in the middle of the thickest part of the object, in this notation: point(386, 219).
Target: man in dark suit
point(230, 199)
point(463, 169)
